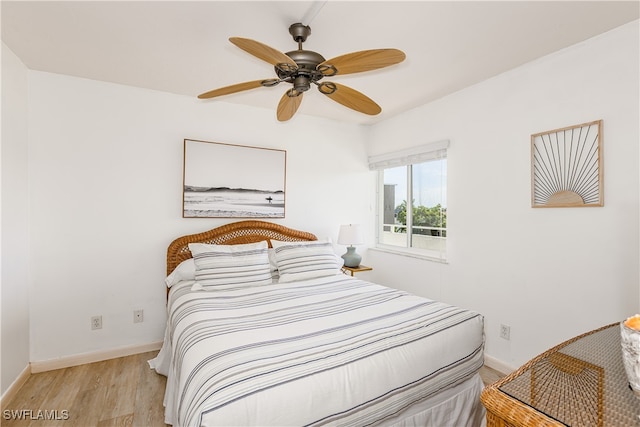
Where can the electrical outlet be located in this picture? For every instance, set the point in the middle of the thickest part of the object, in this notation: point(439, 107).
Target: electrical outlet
point(138, 316)
point(96, 322)
point(505, 332)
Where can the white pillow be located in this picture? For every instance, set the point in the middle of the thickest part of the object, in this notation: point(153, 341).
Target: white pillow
point(273, 265)
point(186, 270)
point(231, 265)
point(272, 260)
point(305, 260)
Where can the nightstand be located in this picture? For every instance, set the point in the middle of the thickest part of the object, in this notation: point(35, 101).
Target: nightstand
point(353, 270)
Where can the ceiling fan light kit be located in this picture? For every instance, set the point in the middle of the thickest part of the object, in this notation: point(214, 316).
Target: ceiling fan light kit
point(302, 68)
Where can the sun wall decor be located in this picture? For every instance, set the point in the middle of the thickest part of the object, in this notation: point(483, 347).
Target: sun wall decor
point(566, 167)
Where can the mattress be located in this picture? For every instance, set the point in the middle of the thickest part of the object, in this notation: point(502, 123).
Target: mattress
point(326, 351)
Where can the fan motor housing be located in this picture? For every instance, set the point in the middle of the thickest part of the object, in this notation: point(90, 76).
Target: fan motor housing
point(307, 62)
point(306, 58)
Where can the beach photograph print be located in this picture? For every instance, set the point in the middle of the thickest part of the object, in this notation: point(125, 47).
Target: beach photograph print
point(232, 181)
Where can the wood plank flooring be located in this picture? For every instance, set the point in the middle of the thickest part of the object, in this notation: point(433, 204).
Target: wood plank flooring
point(116, 392)
point(489, 375)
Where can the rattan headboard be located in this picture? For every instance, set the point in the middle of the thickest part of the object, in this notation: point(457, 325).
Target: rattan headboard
point(233, 234)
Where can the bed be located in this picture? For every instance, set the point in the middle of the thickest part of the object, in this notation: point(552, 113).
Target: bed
point(264, 329)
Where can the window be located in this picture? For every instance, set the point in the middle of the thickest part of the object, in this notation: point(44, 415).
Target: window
point(418, 175)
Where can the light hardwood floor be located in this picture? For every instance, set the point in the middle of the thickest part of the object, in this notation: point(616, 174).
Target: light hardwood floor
point(116, 392)
point(489, 375)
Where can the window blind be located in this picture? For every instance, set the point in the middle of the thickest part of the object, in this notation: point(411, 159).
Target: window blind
point(409, 156)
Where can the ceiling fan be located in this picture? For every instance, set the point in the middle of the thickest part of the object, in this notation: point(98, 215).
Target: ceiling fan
point(302, 68)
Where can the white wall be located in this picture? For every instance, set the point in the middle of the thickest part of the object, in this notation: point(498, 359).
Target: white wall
point(548, 273)
point(13, 282)
point(105, 174)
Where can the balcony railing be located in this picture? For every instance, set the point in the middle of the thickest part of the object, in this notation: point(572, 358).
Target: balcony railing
point(401, 228)
point(396, 235)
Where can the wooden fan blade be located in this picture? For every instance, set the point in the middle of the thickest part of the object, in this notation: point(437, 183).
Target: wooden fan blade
point(231, 89)
point(350, 98)
point(264, 52)
point(288, 105)
point(364, 60)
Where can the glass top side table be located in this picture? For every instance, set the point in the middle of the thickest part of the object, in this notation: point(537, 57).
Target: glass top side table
point(581, 382)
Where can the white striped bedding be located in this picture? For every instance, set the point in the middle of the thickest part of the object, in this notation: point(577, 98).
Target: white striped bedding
point(326, 351)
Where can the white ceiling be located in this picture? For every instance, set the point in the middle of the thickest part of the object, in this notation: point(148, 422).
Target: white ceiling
point(182, 47)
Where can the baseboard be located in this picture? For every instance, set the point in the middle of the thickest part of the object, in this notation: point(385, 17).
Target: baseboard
point(96, 356)
point(15, 386)
point(498, 365)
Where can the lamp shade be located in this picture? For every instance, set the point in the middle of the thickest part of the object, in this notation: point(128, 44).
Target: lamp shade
point(350, 234)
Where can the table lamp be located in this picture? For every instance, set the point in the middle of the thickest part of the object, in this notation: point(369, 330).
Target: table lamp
point(351, 234)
